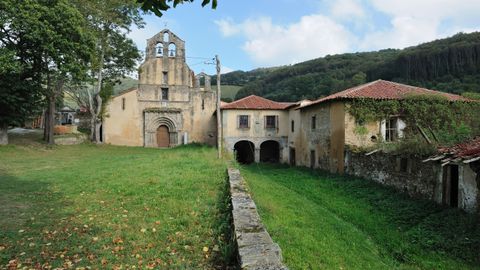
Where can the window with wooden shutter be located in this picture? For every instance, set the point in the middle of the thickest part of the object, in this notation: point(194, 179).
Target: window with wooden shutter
point(243, 121)
point(271, 121)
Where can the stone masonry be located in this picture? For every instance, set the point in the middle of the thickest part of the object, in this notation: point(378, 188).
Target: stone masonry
point(256, 249)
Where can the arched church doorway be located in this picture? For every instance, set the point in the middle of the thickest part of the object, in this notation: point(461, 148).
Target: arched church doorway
point(163, 136)
point(244, 152)
point(270, 151)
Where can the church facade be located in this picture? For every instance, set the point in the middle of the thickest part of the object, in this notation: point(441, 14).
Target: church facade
point(169, 107)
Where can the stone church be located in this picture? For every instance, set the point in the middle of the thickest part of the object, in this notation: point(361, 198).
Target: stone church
point(169, 107)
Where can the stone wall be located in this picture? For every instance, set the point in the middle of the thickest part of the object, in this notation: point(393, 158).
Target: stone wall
point(409, 175)
point(256, 249)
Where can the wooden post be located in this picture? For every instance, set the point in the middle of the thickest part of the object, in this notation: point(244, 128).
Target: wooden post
point(219, 120)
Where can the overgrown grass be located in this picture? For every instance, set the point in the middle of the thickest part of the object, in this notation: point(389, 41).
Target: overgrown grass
point(322, 221)
point(112, 207)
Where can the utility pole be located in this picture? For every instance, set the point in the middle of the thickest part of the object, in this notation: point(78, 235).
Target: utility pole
point(219, 120)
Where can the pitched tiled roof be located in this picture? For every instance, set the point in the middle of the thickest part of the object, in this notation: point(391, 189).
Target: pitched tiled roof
point(381, 89)
point(256, 103)
point(464, 152)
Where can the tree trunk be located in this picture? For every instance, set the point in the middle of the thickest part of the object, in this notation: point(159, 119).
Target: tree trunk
point(3, 134)
point(45, 125)
point(50, 121)
point(98, 120)
point(98, 109)
point(92, 116)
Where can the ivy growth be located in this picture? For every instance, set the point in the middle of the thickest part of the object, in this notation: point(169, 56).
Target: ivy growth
point(445, 121)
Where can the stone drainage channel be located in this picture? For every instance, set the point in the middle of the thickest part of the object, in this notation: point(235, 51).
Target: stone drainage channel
point(256, 249)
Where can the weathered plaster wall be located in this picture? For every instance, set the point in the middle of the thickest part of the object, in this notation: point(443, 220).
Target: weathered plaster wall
point(317, 139)
point(257, 133)
point(468, 189)
point(337, 137)
point(123, 127)
point(353, 138)
point(294, 138)
point(418, 180)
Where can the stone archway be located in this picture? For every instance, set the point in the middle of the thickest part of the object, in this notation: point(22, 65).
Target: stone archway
point(160, 131)
point(270, 151)
point(244, 152)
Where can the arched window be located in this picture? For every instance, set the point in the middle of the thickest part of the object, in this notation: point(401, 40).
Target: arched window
point(159, 50)
point(166, 37)
point(172, 50)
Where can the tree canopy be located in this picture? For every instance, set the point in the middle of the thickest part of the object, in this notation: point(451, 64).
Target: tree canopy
point(160, 6)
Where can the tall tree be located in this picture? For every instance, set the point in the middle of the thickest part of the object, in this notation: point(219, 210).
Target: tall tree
point(115, 54)
point(49, 40)
point(19, 93)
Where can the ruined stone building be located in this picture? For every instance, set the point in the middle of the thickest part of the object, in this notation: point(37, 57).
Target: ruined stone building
point(322, 133)
point(169, 107)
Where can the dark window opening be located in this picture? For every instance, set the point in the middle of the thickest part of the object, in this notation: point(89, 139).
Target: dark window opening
point(404, 165)
point(123, 104)
point(391, 130)
point(314, 122)
point(292, 126)
point(270, 121)
point(164, 93)
point(243, 121)
point(312, 159)
point(270, 152)
point(244, 152)
point(203, 104)
point(165, 77)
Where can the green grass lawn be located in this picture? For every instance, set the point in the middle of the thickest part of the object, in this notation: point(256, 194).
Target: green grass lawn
point(323, 221)
point(116, 207)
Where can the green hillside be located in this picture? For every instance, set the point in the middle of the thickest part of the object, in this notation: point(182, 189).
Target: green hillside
point(450, 65)
point(124, 84)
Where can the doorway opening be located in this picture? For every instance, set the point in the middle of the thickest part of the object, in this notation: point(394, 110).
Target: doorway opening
point(450, 185)
point(244, 152)
point(292, 156)
point(163, 136)
point(270, 152)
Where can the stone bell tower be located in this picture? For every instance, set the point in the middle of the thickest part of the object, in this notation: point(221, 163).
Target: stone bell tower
point(165, 61)
point(174, 110)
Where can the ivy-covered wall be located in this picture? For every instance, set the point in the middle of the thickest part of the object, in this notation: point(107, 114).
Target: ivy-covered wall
point(442, 121)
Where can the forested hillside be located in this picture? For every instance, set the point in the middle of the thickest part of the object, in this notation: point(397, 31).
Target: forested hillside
point(450, 65)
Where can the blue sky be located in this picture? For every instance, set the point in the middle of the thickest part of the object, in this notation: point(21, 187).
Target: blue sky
point(248, 34)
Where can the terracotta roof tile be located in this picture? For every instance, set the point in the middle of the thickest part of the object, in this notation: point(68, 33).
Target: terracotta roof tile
point(381, 89)
point(466, 150)
point(256, 103)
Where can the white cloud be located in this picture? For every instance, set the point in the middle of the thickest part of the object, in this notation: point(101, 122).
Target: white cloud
point(269, 44)
point(405, 31)
point(227, 27)
point(347, 10)
point(413, 22)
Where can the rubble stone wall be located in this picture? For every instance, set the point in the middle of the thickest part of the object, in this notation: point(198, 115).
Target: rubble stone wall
point(256, 249)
